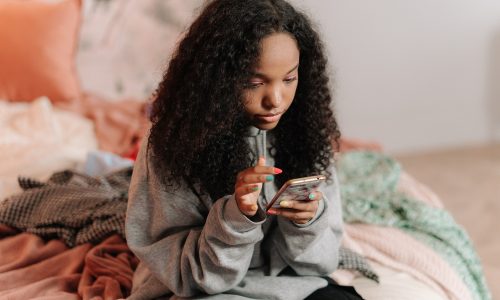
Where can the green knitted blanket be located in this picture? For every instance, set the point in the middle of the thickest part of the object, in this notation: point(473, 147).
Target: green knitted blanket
point(368, 183)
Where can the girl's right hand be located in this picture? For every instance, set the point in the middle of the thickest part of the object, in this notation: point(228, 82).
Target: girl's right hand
point(249, 183)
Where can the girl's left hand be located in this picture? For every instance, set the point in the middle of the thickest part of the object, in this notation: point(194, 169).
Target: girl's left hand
point(299, 212)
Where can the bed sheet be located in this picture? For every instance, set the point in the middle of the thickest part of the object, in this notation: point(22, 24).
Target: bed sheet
point(67, 139)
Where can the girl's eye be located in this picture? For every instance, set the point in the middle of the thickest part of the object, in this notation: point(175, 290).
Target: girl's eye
point(254, 85)
point(291, 79)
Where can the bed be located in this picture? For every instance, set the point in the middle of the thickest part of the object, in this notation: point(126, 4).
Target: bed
point(74, 92)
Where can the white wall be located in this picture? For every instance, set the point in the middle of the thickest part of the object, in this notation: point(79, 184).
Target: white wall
point(414, 75)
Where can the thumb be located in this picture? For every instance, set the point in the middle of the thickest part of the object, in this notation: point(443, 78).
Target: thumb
point(262, 161)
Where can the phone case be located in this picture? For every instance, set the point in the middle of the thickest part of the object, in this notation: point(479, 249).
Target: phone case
point(296, 189)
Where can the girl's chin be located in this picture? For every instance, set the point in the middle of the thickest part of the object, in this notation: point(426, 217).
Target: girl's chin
point(265, 126)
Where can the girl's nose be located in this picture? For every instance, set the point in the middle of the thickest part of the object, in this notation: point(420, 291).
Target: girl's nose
point(274, 98)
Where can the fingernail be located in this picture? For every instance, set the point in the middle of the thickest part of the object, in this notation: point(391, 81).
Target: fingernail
point(262, 159)
point(311, 196)
point(284, 204)
point(278, 171)
point(254, 207)
point(255, 188)
point(272, 212)
point(269, 177)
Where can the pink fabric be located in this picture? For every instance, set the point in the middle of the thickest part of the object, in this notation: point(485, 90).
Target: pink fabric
point(31, 268)
point(109, 267)
point(350, 144)
point(418, 191)
point(119, 125)
point(395, 249)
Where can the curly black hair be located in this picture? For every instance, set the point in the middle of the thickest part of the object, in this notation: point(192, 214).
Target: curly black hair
point(198, 117)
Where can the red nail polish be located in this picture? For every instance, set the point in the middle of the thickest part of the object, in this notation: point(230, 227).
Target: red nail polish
point(271, 211)
point(278, 171)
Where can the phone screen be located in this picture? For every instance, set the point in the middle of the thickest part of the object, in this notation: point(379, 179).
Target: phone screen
point(296, 190)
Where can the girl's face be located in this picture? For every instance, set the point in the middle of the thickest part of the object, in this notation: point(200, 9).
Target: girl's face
point(272, 87)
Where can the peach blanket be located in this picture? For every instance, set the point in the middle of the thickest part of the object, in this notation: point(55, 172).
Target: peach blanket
point(31, 268)
point(118, 124)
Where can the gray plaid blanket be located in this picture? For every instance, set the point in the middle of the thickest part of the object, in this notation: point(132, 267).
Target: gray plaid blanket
point(73, 207)
point(77, 209)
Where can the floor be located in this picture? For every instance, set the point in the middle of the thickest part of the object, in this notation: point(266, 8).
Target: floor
point(468, 182)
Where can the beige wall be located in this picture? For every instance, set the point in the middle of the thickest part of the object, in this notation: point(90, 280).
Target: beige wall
point(414, 75)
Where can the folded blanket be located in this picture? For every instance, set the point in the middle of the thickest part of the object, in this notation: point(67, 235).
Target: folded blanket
point(77, 208)
point(369, 192)
point(393, 248)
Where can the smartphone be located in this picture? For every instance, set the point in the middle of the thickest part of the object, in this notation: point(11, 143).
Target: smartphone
point(296, 189)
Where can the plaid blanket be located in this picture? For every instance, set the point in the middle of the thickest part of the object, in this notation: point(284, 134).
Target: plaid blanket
point(77, 208)
point(72, 207)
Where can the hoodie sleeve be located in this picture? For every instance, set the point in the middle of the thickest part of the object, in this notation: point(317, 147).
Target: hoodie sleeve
point(190, 247)
point(312, 248)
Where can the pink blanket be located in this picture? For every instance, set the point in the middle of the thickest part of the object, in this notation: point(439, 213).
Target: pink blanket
point(31, 268)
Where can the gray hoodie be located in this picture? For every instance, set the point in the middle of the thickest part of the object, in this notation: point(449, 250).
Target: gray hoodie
point(193, 247)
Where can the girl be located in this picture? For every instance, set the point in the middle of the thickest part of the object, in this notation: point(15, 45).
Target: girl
point(243, 107)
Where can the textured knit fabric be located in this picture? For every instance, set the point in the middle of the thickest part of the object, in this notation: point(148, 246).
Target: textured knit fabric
point(196, 247)
point(394, 248)
point(73, 207)
point(369, 182)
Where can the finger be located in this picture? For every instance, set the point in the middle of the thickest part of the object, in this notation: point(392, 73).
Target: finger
point(260, 176)
point(316, 195)
point(262, 168)
point(255, 178)
point(248, 209)
point(265, 170)
point(302, 221)
point(291, 214)
point(249, 178)
point(310, 206)
point(246, 189)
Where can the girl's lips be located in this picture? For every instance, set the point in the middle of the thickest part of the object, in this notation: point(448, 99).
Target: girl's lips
point(269, 118)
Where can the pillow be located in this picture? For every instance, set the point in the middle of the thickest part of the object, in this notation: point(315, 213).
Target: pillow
point(38, 45)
